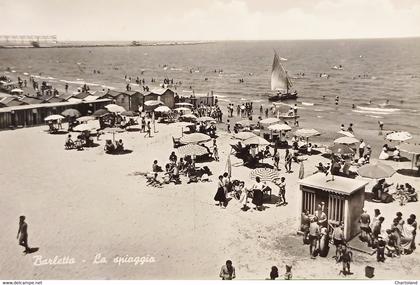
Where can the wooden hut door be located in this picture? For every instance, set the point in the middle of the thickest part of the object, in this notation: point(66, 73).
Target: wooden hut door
point(335, 208)
point(309, 201)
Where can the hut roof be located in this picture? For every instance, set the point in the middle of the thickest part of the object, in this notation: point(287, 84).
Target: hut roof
point(340, 185)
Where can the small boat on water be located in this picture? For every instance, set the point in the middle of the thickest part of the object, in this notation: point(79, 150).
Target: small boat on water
point(280, 82)
point(335, 67)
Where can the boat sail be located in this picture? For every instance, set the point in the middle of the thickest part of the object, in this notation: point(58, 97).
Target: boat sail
point(280, 81)
point(279, 78)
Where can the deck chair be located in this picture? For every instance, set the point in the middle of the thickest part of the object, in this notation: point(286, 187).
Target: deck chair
point(176, 142)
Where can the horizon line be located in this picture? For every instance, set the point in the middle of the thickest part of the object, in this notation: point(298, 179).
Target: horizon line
point(243, 40)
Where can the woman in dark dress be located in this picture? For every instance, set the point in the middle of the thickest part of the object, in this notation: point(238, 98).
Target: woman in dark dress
point(257, 198)
point(220, 194)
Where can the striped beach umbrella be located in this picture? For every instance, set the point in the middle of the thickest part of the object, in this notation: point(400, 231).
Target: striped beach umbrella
point(265, 174)
point(194, 138)
point(191, 150)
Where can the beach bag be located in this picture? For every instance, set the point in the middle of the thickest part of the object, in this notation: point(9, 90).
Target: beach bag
point(369, 271)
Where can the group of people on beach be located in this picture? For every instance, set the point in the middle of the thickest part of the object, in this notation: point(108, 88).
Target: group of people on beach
point(398, 239)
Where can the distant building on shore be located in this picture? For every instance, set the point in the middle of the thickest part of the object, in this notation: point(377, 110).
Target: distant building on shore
point(20, 116)
point(28, 40)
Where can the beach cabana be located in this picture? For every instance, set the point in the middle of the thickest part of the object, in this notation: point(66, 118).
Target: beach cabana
point(343, 197)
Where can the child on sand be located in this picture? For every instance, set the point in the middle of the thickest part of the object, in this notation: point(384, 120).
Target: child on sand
point(288, 275)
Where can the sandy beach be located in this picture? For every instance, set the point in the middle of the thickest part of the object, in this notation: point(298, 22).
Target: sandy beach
point(80, 204)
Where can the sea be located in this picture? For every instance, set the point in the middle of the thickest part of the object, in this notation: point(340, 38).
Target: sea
point(380, 77)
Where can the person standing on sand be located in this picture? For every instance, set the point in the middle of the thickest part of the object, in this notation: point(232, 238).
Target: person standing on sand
point(227, 272)
point(220, 194)
point(281, 183)
point(362, 146)
point(276, 158)
point(338, 237)
point(381, 125)
point(22, 234)
point(365, 229)
point(215, 151)
point(148, 130)
point(304, 227)
point(288, 161)
point(314, 233)
point(346, 257)
point(228, 126)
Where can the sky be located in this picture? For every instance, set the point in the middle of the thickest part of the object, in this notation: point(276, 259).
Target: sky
point(160, 20)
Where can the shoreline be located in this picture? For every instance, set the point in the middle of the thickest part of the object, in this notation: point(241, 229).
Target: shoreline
point(71, 45)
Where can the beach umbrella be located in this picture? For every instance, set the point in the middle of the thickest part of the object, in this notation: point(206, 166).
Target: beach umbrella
point(153, 103)
point(205, 119)
point(163, 109)
point(269, 121)
point(341, 149)
point(279, 128)
point(307, 133)
point(85, 119)
point(182, 109)
point(17, 90)
point(71, 113)
point(85, 127)
point(265, 174)
point(189, 117)
point(113, 131)
point(54, 118)
point(191, 150)
point(410, 148)
point(399, 136)
point(129, 114)
point(256, 140)
point(244, 135)
point(100, 113)
point(114, 108)
point(376, 171)
point(184, 104)
point(194, 138)
point(347, 134)
point(413, 149)
point(346, 140)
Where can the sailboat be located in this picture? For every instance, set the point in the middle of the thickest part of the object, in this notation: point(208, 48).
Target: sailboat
point(280, 82)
